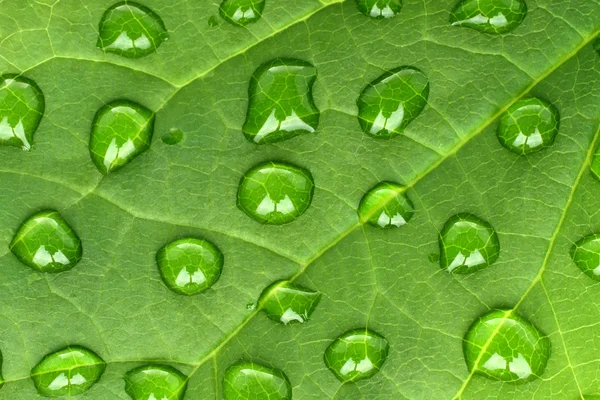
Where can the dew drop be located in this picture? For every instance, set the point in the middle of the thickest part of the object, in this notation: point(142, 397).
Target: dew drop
point(173, 137)
point(213, 21)
point(388, 104)
point(67, 372)
point(288, 303)
point(46, 243)
point(251, 305)
point(280, 102)
point(467, 244)
point(22, 106)
point(586, 255)
point(513, 349)
point(241, 12)
point(386, 206)
point(121, 131)
point(489, 16)
point(380, 9)
point(153, 381)
point(131, 30)
point(275, 193)
point(251, 381)
point(189, 266)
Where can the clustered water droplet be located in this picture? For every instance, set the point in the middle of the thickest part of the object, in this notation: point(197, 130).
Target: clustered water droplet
point(241, 12)
point(288, 303)
point(155, 381)
point(248, 380)
point(489, 16)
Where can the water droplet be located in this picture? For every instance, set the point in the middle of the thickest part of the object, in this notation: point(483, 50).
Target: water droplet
point(46, 243)
point(21, 109)
point(467, 244)
point(153, 381)
point(251, 305)
point(489, 16)
point(528, 126)
point(69, 371)
point(275, 193)
point(433, 257)
point(502, 345)
point(174, 136)
point(386, 206)
point(287, 303)
point(190, 266)
point(586, 255)
point(131, 30)
point(391, 102)
point(122, 130)
point(281, 104)
point(213, 21)
point(380, 8)
point(246, 381)
point(241, 12)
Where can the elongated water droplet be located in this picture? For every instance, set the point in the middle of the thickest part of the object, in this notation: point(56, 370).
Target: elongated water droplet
point(67, 372)
point(46, 243)
point(121, 131)
point(153, 381)
point(21, 109)
point(386, 206)
point(131, 30)
point(391, 102)
point(251, 381)
point(275, 193)
point(586, 255)
point(241, 12)
point(528, 126)
point(288, 303)
point(379, 8)
point(467, 244)
point(489, 16)
point(281, 103)
point(190, 266)
point(502, 345)
point(174, 136)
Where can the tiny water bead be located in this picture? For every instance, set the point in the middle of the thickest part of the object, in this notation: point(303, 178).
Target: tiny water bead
point(288, 303)
point(386, 206)
point(172, 137)
point(251, 381)
point(241, 12)
point(131, 30)
point(280, 103)
point(380, 8)
point(22, 106)
point(190, 266)
point(467, 244)
point(275, 193)
point(489, 16)
point(586, 255)
point(67, 372)
point(528, 126)
point(46, 243)
point(388, 104)
point(356, 355)
point(121, 131)
point(502, 345)
point(152, 381)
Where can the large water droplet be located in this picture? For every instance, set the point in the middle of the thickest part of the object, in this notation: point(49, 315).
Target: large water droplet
point(241, 12)
point(21, 109)
point(386, 206)
point(288, 303)
point(490, 16)
point(528, 126)
point(46, 242)
point(391, 102)
point(173, 137)
point(251, 381)
point(281, 104)
point(502, 345)
point(586, 255)
point(356, 355)
point(131, 30)
point(380, 8)
point(467, 244)
point(275, 193)
point(190, 266)
point(121, 131)
point(150, 382)
point(67, 372)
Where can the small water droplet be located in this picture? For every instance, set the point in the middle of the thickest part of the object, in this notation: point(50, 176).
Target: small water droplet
point(281, 103)
point(121, 131)
point(515, 350)
point(22, 106)
point(154, 381)
point(467, 244)
point(249, 381)
point(388, 104)
point(586, 255)
point(489, 16)
point(190, 266)
point(67, 372)
point(174, 136)
point(380, 8)
point(433, 258)
point(356, 355)
point(242, 12)
point(288, 303)
point(213, 21)
point(251, 305)
point(386, 206)
point(275, 193)
point(131, 30)
point(46, 243)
